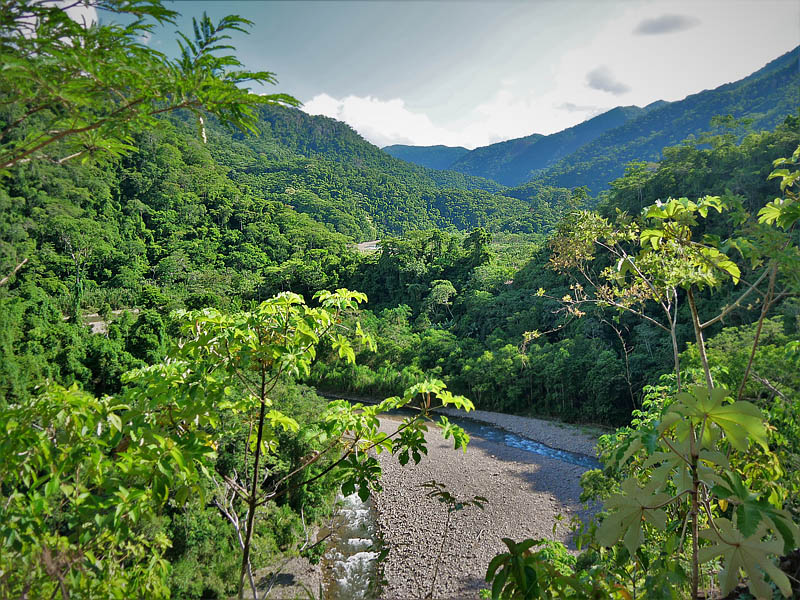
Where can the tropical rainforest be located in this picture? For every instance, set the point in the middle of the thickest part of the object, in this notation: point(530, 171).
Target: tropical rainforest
point(176, 260)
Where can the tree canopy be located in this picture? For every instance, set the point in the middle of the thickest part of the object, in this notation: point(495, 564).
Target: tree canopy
point(74, 89)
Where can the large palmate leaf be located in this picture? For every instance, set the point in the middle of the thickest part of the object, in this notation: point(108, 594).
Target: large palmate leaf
point(629, 509)
point(738, 420)
point(748, 553)
point(751, 511)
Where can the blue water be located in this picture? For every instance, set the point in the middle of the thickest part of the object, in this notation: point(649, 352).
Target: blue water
point(501, 436)
point(349, 565)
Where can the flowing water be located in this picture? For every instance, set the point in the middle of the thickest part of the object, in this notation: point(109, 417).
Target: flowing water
point(350, 569)
point(501, 436)
point(350, 561)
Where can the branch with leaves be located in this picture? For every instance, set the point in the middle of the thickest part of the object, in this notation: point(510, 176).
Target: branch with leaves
point(80, 89)
point(279, 339)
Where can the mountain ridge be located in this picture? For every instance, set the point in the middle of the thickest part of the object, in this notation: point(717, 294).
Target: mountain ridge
point(595, 152)
point(766, 97)
point(514, 162)
point(432, 157)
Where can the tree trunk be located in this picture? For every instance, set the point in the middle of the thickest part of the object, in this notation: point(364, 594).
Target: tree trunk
point(252, 500)
point(701, 345)
point(764, 309)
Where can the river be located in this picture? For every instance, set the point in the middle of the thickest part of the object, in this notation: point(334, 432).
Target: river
point(350, 569)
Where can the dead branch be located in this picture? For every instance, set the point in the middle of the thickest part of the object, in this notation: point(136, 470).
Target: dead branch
point(5, 279)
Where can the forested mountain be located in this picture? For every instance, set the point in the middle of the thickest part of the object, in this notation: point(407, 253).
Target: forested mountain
point(322, 167)
point(765, 98)
point(322, 137)
point(432, 157)
point(516, 161)
point(596, 151)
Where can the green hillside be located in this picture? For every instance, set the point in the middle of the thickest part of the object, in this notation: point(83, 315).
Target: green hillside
point(432, 157)
point(321, 167)
point(516, 161)
point(322, 137)
point(765, 97)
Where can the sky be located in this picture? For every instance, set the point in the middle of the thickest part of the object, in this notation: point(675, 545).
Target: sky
point(477, 72)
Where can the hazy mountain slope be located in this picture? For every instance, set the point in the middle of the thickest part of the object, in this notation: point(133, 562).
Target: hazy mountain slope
point(321, 167)
point(493, 159)
point(767, 97)
point(516, 161)
point(315, 136)
point(433, 157)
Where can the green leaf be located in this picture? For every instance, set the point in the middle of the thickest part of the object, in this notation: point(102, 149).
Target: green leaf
point(752, 511)
point(629, 509)
point(277, 418)
point(652, 236)
point(740, 420)
point(748, 553)
point(494, 564)
point(363, 492)
point(115, 421)
point(499, 582)
point(178, 456)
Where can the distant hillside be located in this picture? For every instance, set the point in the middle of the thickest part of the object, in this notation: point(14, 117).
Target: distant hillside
point(596, 151)
point(319, 136)
point(767, 97)
point(323, 168)
point(516, 161)
point(432, 157)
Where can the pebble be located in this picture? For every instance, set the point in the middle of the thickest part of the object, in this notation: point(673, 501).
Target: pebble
point(525, 493)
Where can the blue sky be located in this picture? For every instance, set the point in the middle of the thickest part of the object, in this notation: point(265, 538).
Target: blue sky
point(473, 73)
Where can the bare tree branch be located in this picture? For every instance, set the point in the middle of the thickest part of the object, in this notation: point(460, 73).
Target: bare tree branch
point(5, 279)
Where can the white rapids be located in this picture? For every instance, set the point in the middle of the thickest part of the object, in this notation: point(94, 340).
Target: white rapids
point(350, 560)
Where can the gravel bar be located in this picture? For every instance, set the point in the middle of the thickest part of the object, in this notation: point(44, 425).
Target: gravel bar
point(525, 492)
point(550, 433)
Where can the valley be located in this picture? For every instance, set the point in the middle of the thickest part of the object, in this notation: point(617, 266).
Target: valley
point(230, 327)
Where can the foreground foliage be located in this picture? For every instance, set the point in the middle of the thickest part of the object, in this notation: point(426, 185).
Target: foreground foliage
point(699, 485)
point(85, 479)
point(74, 87)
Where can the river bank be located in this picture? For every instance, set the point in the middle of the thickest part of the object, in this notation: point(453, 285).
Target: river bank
point(556, 434)
point(525, 492)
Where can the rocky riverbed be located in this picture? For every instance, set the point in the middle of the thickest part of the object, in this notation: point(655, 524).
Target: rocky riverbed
point(525, 492)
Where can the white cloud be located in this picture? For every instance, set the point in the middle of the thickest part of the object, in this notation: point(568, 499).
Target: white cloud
point(382, 122)
point(504, 115)
point(705, 48)
point(603, 79)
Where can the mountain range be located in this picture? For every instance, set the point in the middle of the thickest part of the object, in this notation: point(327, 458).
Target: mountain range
point(596, 151)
